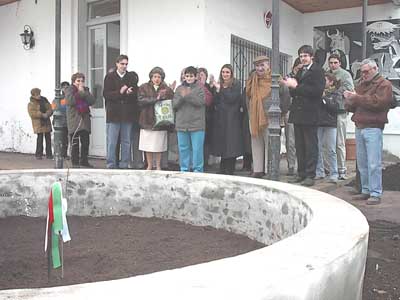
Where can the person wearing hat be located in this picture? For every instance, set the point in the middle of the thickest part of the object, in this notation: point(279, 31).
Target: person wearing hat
point(39, 110)
point(258, 102)
point(152, 142)
point(120, 94)
point(306, 89)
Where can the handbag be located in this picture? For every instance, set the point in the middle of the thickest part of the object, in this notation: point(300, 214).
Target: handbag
point(163, 115)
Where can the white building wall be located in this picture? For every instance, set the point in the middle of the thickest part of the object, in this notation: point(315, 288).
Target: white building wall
point(24, 69)
point(246, 20)
point(168, 34)
point(391, 140)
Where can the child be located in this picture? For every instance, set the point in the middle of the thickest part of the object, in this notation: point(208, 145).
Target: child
point(39, 110)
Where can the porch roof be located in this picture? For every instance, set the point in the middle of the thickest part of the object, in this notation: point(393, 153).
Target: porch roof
point(308, 6)
point(4, 2)
point(304, 6)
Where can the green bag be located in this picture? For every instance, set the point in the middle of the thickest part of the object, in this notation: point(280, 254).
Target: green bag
point(163, 115)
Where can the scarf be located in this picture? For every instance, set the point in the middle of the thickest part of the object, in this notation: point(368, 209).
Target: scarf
point(257, 89)
point(80, 103)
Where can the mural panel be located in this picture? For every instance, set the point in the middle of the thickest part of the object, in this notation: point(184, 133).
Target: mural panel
point(383, 45)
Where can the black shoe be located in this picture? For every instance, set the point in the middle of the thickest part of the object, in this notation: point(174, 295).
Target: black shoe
point(257, 174)
point(308, 182)
point(296, 179)
point(290, 172)
point(86, 165)
point(49, 156)
point(38, 157)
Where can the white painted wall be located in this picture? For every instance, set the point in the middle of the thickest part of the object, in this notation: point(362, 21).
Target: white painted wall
point(246, 20)
point(391, 141)
point(24, 69)
point(168, 34)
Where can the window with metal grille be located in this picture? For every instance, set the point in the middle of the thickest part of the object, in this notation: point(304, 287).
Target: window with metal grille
point(243, 52)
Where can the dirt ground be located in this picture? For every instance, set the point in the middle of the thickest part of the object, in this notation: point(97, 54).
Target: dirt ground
point(382, 276)
point(109, 248)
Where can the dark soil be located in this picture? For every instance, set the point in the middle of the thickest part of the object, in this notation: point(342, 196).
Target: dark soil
point(391, 178)
point(382, 278)
point(109, 248)
point(117, 247)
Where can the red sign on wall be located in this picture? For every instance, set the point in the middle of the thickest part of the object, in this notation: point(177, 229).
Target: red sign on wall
point(268, 19)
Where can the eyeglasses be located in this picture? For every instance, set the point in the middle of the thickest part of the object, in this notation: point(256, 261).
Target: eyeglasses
point(366, 71)
point(333, 62)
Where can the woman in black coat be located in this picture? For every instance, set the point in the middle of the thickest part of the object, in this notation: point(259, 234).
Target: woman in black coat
point(227, 130)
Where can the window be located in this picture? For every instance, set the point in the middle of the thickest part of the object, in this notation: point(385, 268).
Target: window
point(103, 8)
point(243, 52)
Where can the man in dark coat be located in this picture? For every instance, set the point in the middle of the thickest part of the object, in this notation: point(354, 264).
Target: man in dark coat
point(306, 90)
point(120, 94)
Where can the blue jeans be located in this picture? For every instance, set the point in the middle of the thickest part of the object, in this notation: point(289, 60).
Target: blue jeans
point(124, 130)
point(327, 152)
point(191, 147)
point(369, 160)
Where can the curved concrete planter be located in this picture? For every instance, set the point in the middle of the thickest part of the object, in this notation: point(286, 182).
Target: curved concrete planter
point(318, 242)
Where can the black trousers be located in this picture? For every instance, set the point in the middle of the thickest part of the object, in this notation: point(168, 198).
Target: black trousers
point(227, 165)
point(39, 144)
point(81, 136)
point(64, 145)
point(306, 143)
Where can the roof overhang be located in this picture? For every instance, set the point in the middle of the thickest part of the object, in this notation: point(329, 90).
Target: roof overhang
point(309, 6)
point(4, 2)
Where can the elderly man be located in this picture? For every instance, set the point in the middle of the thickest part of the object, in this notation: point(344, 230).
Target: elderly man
point(369, 104)
point(347, 85)
point(258, 101)
point(306, 89)
point(120, 94)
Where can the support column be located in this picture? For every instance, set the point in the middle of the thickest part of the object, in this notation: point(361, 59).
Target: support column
point(274, 112)
point(364, 29)
point(58, 116)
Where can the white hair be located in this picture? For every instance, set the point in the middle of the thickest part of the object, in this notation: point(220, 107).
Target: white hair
point(369, 62)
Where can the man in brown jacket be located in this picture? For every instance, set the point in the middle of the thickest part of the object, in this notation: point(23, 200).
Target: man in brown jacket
point(369, 104)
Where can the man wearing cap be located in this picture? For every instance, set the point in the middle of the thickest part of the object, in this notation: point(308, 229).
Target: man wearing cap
point(258, 100)
point(120, 94)
point(306, 90)
point(39, 110)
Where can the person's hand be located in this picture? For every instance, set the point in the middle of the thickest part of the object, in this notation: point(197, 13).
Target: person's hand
point(217, 85)
point(129, 91)
point(173, 85)
point(290, 82)
point(185, 91)
point(123, 89)
point(212, 80)
point(349, 94)
point(81, 87)
point(161, 94)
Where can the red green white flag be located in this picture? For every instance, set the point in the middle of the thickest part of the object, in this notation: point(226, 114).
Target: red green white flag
point(56, 224)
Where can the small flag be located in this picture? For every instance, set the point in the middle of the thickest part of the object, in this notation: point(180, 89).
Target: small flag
point(56, 223)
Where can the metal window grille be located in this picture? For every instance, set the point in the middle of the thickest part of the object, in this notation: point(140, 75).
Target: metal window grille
point(243, 52)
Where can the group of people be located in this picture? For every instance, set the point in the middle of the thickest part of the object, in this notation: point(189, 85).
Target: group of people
point(219, 118)
point(320, 103)
point(77, 125)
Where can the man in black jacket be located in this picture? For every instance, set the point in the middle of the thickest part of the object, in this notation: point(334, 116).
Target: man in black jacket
point(306, 90)
point(120, 94)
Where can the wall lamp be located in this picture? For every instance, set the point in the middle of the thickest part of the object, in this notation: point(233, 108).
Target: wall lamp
point(27, 38)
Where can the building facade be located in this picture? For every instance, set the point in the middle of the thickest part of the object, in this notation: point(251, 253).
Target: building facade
point(171, 34)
